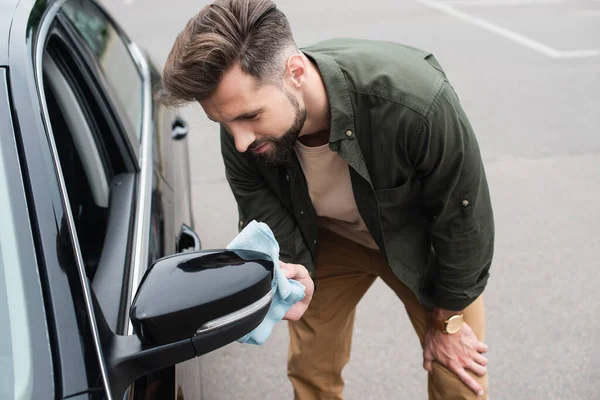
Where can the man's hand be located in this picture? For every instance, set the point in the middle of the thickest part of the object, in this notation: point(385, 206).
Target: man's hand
point(298, 273)
point(457, 352)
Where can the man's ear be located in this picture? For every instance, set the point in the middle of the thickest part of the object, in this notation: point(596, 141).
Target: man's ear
point(296, 69)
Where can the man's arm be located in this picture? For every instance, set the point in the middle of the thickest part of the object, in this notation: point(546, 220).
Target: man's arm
point(455, 193)
point(256, 201)
point(454, 190)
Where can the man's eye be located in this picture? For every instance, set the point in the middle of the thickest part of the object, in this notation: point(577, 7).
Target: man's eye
point(250, 117)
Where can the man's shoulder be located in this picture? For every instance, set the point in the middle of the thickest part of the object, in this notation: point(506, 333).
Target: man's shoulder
point(396, 72)
point(343, 45)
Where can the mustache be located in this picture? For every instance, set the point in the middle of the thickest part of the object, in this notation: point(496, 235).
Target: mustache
point(257, 143)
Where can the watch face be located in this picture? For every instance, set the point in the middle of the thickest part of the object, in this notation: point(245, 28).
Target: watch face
point(454, 324)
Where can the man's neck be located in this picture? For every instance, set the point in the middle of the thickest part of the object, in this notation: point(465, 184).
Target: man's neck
point(318, 123)
point(315, 139)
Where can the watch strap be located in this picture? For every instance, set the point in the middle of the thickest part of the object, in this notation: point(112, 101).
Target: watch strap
point(438, 324)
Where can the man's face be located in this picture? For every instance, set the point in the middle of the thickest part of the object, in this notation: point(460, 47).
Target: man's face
point(264, 119)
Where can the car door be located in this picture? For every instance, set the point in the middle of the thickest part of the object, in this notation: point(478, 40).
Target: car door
point(103, 125)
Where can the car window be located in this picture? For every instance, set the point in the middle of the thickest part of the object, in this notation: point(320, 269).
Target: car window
point(113, 55)
point(85, 176)
point(90, 157)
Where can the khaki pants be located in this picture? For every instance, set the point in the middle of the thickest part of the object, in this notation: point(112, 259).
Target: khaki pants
point(320, 342)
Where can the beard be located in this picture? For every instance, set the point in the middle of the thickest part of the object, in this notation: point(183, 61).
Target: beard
point(280, 147)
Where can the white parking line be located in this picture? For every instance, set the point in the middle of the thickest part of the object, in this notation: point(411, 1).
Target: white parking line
point(499, 3)
point(515, 37)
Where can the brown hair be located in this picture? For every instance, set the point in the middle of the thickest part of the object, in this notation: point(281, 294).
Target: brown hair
point(253, 33)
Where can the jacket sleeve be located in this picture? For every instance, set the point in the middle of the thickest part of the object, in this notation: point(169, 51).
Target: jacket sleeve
point(257, 201)
point(455, 193)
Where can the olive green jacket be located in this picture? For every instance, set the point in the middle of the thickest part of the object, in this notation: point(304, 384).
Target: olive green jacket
point(415, 167)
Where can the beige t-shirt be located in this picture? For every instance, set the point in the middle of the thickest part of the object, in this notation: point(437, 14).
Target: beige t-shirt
point(328, 178)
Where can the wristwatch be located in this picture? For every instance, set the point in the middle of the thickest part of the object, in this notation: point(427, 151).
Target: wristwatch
point(451, 325)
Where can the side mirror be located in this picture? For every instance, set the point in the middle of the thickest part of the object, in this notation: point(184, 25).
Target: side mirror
point(189, 304)
point(187, 295)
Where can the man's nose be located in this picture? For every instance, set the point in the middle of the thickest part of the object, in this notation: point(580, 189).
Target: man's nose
point(243, 138)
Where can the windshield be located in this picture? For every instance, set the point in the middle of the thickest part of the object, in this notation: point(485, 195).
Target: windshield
point(16, 367)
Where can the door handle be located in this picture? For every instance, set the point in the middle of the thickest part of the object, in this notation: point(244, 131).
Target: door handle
point(188, 240)
point(179, 129)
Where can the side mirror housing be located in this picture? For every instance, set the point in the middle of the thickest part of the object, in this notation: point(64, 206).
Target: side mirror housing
point(189, 304)
point(186, 295)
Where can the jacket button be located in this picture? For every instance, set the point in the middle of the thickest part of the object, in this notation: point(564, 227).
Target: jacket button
point(301, 212)
point(287, 178)
point(465, 203)
point(241, 223)
point(348, 133)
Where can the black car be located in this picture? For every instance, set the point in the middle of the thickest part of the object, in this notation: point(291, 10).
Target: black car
point(103, 286)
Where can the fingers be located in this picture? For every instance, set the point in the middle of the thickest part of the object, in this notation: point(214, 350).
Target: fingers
point(480, 359)
point(481, 347)
point(300, 274)
point(293, 271)
point(288, 270)
point(476, 368)
point(294, 314)
point(473, 340)
point(468, 380)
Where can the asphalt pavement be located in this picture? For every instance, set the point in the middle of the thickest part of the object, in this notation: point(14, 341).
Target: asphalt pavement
point(528, 75)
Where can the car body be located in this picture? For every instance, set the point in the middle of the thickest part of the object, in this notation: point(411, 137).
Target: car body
point(95, 198)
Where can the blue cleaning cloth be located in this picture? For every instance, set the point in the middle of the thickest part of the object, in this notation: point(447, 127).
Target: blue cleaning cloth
point(286, 292)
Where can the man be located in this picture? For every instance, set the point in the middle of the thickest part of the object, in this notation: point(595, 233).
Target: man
point(360, 158)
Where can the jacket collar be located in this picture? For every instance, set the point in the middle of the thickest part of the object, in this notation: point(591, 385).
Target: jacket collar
point(343, 130)
point(340, 107)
